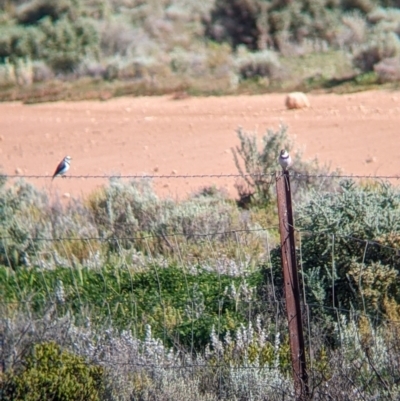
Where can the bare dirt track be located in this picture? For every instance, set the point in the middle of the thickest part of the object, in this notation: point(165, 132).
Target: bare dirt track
point(159, 135)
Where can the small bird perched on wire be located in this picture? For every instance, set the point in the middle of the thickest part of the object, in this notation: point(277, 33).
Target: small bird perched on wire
point(284, 159)
point(62, 167)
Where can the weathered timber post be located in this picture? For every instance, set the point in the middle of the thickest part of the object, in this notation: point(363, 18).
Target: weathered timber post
point(291, 284)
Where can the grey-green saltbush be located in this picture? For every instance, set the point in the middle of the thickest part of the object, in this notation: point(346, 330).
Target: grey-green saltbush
point(258, 166)
point(130, 210)
point(22, 216)
point(130, 216)
point(379, 47)
point(29, 223)
point(259, 64)
point(348, 240)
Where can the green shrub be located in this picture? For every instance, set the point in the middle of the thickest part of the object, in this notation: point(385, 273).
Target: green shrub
point(258, 24)
point(33, 11)
point(49, 373)
point(66, 43)
point(125, 210)
point(235, 22)
point(20, 42)
point(181, 304)
point(298, 20)
point(348, 253)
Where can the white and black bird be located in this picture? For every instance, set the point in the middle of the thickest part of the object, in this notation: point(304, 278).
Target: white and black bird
point(284, 159)
point(62, 167)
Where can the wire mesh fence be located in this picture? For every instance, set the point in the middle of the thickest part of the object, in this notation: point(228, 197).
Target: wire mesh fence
point(184, 299)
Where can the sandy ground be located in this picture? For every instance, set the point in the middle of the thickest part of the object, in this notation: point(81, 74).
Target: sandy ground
point(160, 135)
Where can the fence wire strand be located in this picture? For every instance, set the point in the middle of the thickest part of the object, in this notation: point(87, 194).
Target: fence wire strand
point(294, 175)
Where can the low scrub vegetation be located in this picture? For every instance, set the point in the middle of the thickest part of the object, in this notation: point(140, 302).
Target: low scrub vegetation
point(98, 49)
point(125, 295)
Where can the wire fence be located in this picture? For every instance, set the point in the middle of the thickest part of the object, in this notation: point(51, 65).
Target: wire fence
point(294, 175)
point(169, 303)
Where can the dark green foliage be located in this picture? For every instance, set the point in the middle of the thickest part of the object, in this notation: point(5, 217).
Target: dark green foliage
point(55, 32)
point(50, 373)
point(235, 22)
point(261, 23)
point(365, 6)
point(34, 10)
point(348, 246)
point(66, 42)
point(297, 20)
point(264, 23)
point(17, 42)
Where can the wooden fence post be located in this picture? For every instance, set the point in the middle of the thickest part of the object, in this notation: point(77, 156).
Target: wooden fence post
point(292, 288)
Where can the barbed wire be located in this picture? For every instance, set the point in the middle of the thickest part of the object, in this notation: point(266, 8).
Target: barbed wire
point(209, 234)
point(133, 238)
point(197, 176)
point(140, 176)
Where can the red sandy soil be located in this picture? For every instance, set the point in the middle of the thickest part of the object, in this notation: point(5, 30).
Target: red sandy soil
point(159, 135)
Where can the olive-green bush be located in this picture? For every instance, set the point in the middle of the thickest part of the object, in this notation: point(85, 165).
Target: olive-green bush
point(49, 373)
point(67, 42)
point(258, 24)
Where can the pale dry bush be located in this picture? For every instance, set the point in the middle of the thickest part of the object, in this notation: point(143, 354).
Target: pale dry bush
point(380, 41)
point(125, 210)
point(24, 72)
point(154, 39)
point(385, 19)
point(388, 70)
point(32, 226)
point(353, 31)
point(41, 72)
point(258, 165)
point(307, 46)
point(364, 364)
point(380, 46)
point(264, 63)
point(7, 74)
